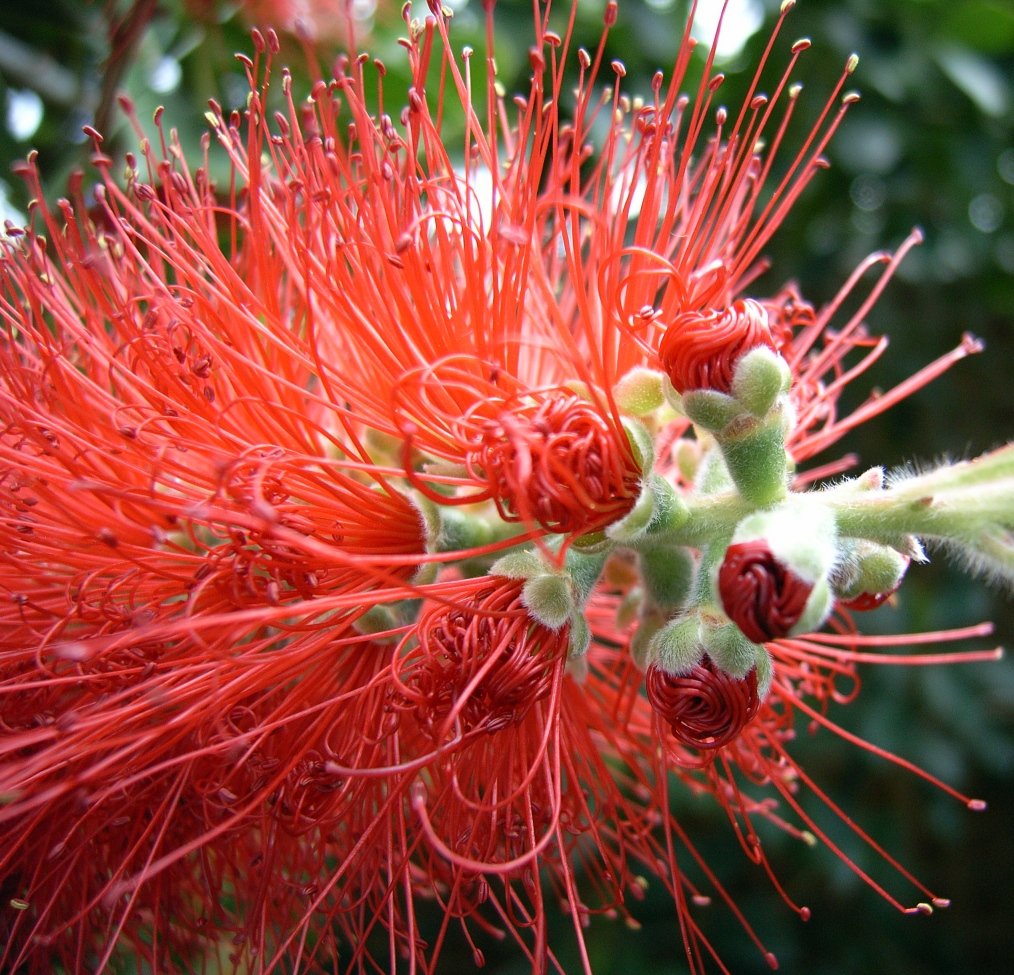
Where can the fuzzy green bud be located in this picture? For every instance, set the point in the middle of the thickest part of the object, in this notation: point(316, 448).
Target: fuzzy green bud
point(639, 392)
point(761, 376)
point(711, 409)
point(677, 647)
point(550, 600)
point(730, 649)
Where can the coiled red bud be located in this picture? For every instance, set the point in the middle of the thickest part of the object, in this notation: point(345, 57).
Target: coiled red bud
point(700, 349)
point(759, 594)
point(706, 708)
point(557, 463)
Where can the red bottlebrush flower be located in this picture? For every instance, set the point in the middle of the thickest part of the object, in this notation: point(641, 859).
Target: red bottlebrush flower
point(700, 349)
point(706, 708)
point(763, 597)
point(261, 446)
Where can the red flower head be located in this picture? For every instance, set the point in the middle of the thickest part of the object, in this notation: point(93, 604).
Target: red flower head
point(706, 708)
point(763, 597)
point(324, 532)
point(700, 349)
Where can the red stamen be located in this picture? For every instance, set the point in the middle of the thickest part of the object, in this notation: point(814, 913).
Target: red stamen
point(557, 463)
point(479, 666)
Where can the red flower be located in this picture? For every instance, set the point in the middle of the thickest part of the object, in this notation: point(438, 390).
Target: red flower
point(261, 445)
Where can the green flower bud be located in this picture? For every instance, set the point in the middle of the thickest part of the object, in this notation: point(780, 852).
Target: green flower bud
point(868, 574)
point(677, 648)
point(761, 376)
point(773, 578)
point(710, 409)
point(639, 392)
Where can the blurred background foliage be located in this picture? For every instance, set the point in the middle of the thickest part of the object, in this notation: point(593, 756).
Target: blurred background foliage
point(931, 142)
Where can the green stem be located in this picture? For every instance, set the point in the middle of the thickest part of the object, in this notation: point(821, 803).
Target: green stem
point(960, 501)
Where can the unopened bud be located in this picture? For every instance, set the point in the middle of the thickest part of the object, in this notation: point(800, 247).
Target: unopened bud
point(773, 580)
point(700, 349)
point(677, 648)
point(730, 649)
point(549, 599)
point(639, 392)
point(761, 376)
point(868, 575)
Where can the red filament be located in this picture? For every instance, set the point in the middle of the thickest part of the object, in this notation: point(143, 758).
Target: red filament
point(482, 665)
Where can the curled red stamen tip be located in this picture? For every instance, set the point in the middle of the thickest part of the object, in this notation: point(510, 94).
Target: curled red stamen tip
point(557, 463)
point(700, 349)
point(481, 666)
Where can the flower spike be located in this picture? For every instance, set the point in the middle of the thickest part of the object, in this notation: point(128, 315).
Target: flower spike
point(355, 553)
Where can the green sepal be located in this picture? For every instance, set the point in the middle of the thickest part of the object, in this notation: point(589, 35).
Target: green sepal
point(801, 533)
point(459, 531)
point(641, 444)
point(765, 672)
point(523, 563)
point(677, 647)
point(761, 376)
point(730, 649)
point(580, 635)
point(671, 511)
point(672, 397)
point(425, 574)
point(710, 409)
point(549, 599)
point(818, 608)
point(635, 521)
point(651, 621)
point(866, 567)
point(430, 517)
point(593, 543)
